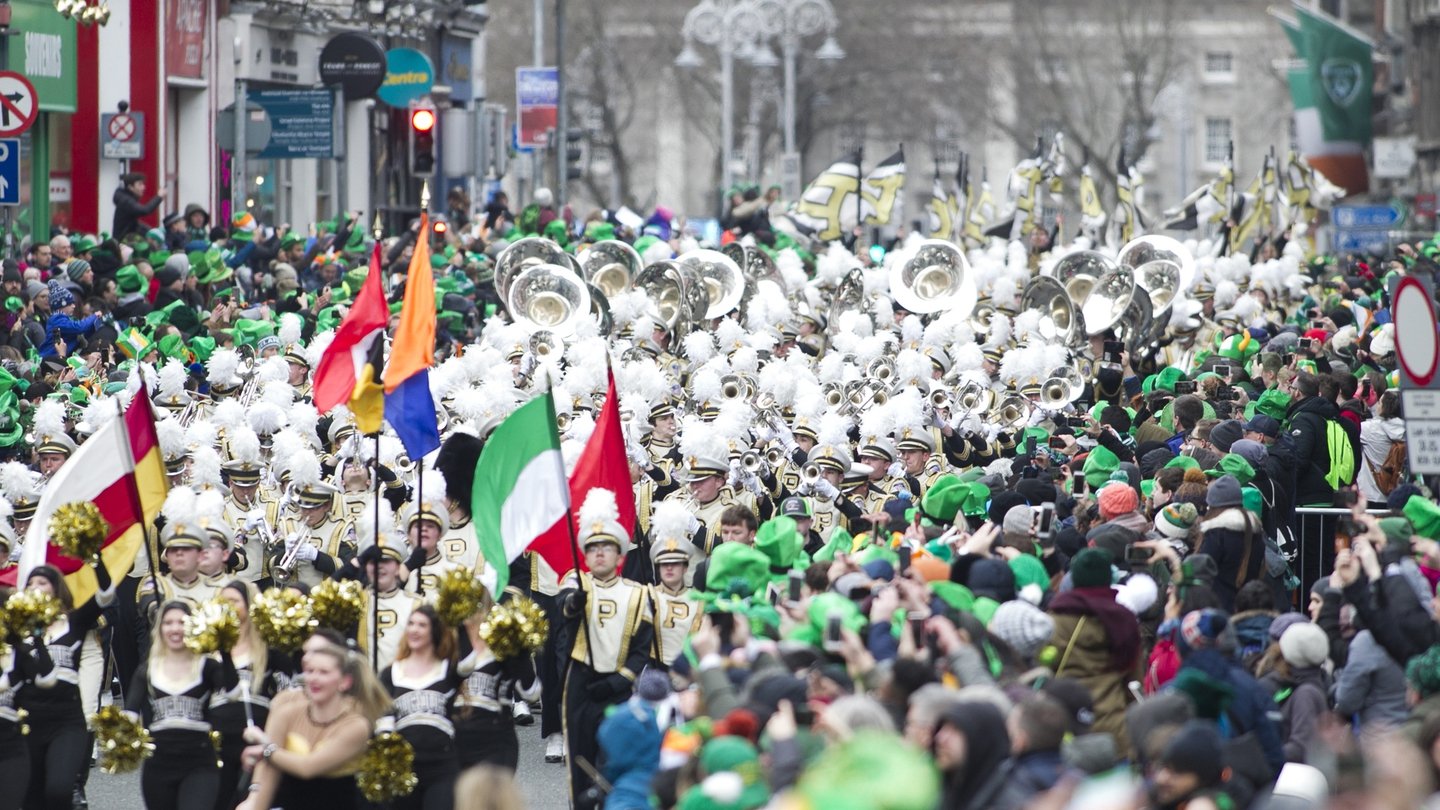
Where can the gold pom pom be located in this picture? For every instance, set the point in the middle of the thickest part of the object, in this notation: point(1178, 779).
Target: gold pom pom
point(28, 613)
point(338, 605)
point(387, 770)
point(78, 530)
point(515, 627)
point(283, 619)
point(458, 596)
point(214, 626)
point(123, 742)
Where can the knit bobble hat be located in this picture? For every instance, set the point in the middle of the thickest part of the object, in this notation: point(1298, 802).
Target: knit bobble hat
point(1117, 499)
point(1023, 626)
point(1176, 520)
point(1304, 645)
point(1091, 568)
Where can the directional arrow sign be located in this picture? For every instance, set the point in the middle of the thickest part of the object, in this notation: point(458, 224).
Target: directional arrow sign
point(9, 172)
point(19, 105)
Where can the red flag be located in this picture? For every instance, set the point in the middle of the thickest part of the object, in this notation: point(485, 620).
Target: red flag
point(343, 362)
point(603, 463)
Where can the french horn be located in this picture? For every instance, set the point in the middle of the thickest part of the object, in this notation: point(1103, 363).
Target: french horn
point(937, 278)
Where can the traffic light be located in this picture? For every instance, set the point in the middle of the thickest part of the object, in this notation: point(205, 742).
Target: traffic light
point(573, 154)
point(422, 140)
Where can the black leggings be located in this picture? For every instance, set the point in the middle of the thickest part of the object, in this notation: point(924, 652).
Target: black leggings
point(14, 768)
point(57, 756)
point(436, 766)
point(228, 794)
point(182, 774)
point(487, 738)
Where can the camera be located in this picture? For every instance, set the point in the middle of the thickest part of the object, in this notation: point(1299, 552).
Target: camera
point(1183, 387)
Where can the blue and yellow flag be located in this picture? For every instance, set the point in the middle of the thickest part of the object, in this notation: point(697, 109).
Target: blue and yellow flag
point(409, 408)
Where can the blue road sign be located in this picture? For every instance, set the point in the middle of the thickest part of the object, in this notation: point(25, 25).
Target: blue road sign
point(10, 171)
point(1354, 217)
point(1373, 242)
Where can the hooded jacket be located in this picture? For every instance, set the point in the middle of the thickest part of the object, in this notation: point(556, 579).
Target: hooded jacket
point(1371, 685)
point(1308, 419)
point(1224, 537)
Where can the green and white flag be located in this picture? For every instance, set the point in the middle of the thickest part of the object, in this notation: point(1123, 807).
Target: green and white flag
point(520, 493)
point(1330, 83)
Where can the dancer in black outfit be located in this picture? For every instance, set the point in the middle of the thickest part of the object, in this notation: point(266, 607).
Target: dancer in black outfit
point(58, 741)
point(262, 672)
point(484, 721)
point(423, 682)
point(14, 753)
point(171, 692)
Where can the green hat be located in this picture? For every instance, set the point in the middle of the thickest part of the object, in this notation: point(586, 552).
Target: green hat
point(736, 561)
point(1183, 462)
point(722, 759)
point(1167, 378)
point(599, 231)
point(1274, 402)
point(1252, 500)
point(977, 495)
point(1091, 568)
point(870, 552)
point(209, 267)
point(1029, 570)
point(871, 771)
point(955, 595)
point(247, 332)
point(157, 258)
point(1233, 464)
point(173, 347)
point(290, 239)
point(778, 540)
point(643, 243)
point(326, 319)
point(12, 432)
point(1099, 463)
point(82, 244)
point(1398, 531)
point(128, 280)
point(1424, 516)
point(943, 500)
point(556, 231)
point(202, 347)
point(818, 613)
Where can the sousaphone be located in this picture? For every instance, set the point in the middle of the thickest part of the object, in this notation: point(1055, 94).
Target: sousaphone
point(1059, 319)
point(610, 265)
point(1162, 267)
point(721, 277)
point(523, 254)
point(549, 297)
point(936, 279)
point(1099, 289)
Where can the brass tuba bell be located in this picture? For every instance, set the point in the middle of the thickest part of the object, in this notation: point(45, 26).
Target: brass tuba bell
point(610, 265)
point(1058, 317)
point(724, 282)
point(1162, 267)
point(523, 254)
point(550, 297)
point(1100, 289)
point(937, 278)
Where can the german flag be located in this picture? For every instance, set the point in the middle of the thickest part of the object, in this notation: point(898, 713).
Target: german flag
point(121, 470)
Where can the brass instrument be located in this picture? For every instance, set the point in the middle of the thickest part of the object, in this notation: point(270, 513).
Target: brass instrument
point(1162, 266)
point(881, 369)
point(600, 310)
point(1010, 414)
point(544, 344)
point(677, 294)
point(835, 395)
point(1059, 319)
point(523, 254)
point(732, 387)
point(937, 278)
point(550, 297)
point(721, 277)
point(939, 398)
point(752, 462)
point(562, 421)
point(1099, 288)
point(810, 473)
point(1062, 387)
point(611, 265)
point(774, 455)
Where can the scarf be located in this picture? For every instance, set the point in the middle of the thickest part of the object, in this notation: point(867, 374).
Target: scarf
point(1121, 628)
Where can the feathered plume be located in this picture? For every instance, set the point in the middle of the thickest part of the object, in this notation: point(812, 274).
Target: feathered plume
point(18, 482)
point(172, 437)
point(672, 519)
point(304, 468)
point(205, 468)
point(365, 526)
point(266, 418)
point(599, 507)
point(49, 418)
point(172, 378)
point(179, 505)
point(209, 505)
point(228, 413)
point(221, 367)
point(244, 444)
point(290, 328)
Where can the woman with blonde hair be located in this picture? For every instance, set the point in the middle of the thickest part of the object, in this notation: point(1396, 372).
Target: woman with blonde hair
point(263, 673)
point(171, 691)
point(310, 749)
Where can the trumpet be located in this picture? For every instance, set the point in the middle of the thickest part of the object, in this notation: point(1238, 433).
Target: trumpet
point(284, 568)
point(752, 462)
point(939, 399)
point(544, 343)
point(810, 473)
point(774, 455)
point(732, 386)
point(562, 421)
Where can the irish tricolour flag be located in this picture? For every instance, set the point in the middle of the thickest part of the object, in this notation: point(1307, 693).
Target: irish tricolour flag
point(520, 489)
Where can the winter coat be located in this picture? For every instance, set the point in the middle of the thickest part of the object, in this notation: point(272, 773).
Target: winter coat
point(1302, 703)
point(1038, 771)
point(128, 211)
point(1376, 437)
point(1252, 634)
point(1221, 690)
point(68, 328)
point(630, 740)
point(1224, 538)
point(1308, 419)
point(1083, 647)
point(1371, 685)
point(1395, 616)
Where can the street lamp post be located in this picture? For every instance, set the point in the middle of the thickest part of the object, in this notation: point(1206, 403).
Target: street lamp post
point(798, 19)
point(728, 26)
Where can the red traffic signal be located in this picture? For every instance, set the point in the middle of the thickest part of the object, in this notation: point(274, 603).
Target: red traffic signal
point(422, 119)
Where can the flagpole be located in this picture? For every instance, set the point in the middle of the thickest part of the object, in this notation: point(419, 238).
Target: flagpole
point(375, 578)
point(859, 192)
point(134, 490)
point(570, 526)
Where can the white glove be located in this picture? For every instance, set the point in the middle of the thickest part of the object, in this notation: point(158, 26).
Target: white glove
point(895, 470)
point(737, 474)
point(825, 489)
point(307, 552)
point(638, 455)
point(752, 483)
point(805, 489)
point(970, 424)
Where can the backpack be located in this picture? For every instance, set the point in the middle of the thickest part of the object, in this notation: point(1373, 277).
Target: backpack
point(1392, 470)
point(1342, 455)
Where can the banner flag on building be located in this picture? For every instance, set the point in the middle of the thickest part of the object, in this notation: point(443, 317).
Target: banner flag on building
point(1092, 212)
point(941, 221)
point(827, 208)
point(1331, 87)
